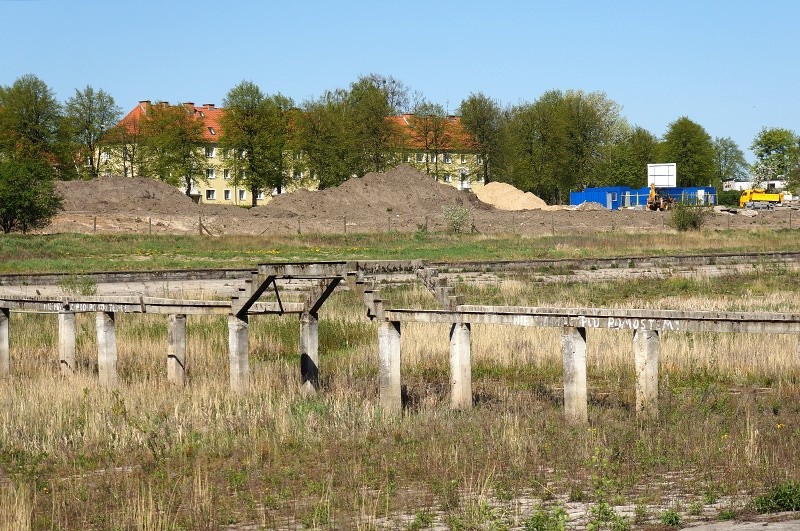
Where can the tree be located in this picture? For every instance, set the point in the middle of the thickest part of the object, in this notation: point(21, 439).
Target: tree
point(399, 97)
point(90, 115)
point(28, 199)
point(482, 118)
point(327, 139)
point(625, 161)
point(429, 130)
point(778, 148)
point(32, 126)
point(172, 138)
point(255, 137)
point(688, 145)
point(729, 161)
point(369, 104)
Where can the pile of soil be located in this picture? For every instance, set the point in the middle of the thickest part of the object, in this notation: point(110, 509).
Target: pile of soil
point(589, 205)
point(109, 195)
point(506, 197)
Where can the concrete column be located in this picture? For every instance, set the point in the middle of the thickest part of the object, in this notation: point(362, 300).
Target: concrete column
point(176, 350)
point(645, 346)
point(106, 349)
point(573, 350)
point(389, 365)
point(309, 350)
point(238, 352)
point(5, 345)
point(460, 366)
point(66, 343)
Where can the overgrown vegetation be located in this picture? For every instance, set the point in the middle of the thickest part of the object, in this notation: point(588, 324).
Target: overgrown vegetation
point(684, 217)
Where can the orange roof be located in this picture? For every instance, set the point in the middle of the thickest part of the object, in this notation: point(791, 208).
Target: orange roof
point(209, 113)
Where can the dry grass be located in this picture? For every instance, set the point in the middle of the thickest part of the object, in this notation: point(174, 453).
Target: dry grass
point(147, 455)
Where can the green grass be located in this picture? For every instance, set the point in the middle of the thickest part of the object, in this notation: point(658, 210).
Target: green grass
point(82, 253)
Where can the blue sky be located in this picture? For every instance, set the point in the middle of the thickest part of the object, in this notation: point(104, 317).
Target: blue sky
point(730, 66)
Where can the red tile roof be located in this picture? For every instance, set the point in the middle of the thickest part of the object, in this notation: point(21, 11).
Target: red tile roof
point(209, 113)
point(457, 138)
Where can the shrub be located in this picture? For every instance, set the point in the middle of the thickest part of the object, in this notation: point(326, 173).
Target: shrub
point(542, 519)
point(783, 497)
point(456, 217)
point(671, 518)
point(684, 218)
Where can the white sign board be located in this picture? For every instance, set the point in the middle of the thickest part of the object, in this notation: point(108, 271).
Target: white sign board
point(662, 175)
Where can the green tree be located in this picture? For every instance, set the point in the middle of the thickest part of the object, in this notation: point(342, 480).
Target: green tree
point(32, 126)
point(688, 145)
point(256, 137)
point(429, 130)
point(369, 104)
point(729, 161)
point(172, 138)
point(625, 161)
point(482, 118)
point(327, 140)
point(28, 199)
point(777, 148)
point(90, 115)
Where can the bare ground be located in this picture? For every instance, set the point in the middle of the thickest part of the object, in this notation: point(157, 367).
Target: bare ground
point(402, 200)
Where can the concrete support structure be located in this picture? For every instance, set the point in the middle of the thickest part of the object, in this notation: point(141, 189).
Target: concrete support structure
point(238, 352)
point(389, 365)
point(460, 366)
point(176, 350)
point(66, 343)
point(573, 350)
point(645, 346)
point(106, 349)
point(309, 350)
point(5, 345)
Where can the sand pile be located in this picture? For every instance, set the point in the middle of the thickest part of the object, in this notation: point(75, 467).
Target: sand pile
point(106, 195)
point(504, 196)
point(589, 205)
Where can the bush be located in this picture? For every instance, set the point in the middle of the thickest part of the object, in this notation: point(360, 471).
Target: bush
point(783, 497)
point(456, 217)
point(729, 198)
point(685, 217)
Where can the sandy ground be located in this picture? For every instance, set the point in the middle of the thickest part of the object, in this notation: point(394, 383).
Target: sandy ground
point(402, 200)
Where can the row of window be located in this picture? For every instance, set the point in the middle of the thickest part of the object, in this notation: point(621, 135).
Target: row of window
point(446, 158)
point(227, 195)
point(211, 173)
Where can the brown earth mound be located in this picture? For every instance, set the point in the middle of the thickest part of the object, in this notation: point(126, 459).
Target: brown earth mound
point(506, 197)
point(107, 195)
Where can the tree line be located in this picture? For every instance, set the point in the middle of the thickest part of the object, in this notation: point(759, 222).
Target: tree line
point(562, 141)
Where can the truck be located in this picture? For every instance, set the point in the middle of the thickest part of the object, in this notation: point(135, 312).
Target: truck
point(758, 197)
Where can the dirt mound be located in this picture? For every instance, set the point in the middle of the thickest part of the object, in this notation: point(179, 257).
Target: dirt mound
point(589, 205)
point(402, 191)
point(504, 196)
point(106, 195)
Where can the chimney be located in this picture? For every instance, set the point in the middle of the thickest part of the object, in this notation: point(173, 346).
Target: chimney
point(189, 105)
point(208, 105)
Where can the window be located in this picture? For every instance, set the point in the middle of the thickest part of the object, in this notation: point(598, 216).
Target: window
point(432, 157)
point(463, 158)
point(211, 194)
point(226, 174)
point(447, 158)
point(420, 157)
point(297, 174)
point(407, 157)
point(226, 195)
point(448, 178)
point(209, 152)
point(211, 130)
point(242, 195)
point(210, 173)
point(260, 195)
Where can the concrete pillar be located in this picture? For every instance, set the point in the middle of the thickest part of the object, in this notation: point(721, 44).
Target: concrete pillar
point(238, 352)
point(573, 350)
point(5, 345)
point(309, 350)
point(645, 346)
point(106, 349)
point(176, 350)
point(460, 366)
point(389, 365)
point(66, 343)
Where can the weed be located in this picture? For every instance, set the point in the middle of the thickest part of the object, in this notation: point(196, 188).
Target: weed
point(456, 217)
point(783, 497)
point(422, 520)
point(684, 218)
point(670, 518)
point(727, 514)
point(553, 518)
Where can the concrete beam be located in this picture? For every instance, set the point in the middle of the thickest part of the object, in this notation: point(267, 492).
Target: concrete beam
point(5, 344)
point(460, 367)
point(646, 354)
point(573, 350)
point(66, 343)
point(309, 350)
point(106, 349)
point(176, 349)
point(238, 353)
point(389, 366)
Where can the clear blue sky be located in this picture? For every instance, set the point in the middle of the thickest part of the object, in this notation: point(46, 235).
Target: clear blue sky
point(730, 66)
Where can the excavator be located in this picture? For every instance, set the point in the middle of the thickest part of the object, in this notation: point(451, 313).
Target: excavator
point(656, 201)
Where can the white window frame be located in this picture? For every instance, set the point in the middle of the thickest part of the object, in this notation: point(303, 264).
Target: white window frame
point(420, 157)
point(226, 194)
point(448, 158)
point(242, 195)
point(209, 152)
point(211, 194)
point(463, 158)
point(210, 174)
point(226, 174)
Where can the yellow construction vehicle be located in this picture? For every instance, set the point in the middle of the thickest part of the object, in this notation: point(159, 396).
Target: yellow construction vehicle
point(755, 197)
point(656, 201)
